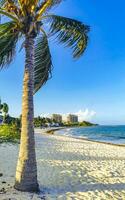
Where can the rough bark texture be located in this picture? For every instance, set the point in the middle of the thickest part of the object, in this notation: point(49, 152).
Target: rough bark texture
point(26, 173)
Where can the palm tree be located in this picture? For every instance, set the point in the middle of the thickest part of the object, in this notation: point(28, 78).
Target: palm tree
point(5, 110)
point(1, 117)
point(26, 20)
point(1, 106)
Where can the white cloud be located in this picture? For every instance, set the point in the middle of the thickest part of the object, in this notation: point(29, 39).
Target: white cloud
point(85, 114)
point(48, 115)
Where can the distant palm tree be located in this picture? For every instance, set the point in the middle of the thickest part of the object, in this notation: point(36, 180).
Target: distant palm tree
point(1, 106)
point(5, 110)
point(1, 117)
point(27, 20)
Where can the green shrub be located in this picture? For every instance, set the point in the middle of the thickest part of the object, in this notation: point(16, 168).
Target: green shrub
point(9, 133)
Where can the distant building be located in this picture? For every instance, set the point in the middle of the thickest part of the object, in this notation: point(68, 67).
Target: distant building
point(57, 118)
point(72, 118)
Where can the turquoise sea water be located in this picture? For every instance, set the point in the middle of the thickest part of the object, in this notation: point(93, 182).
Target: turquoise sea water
point(112, 134)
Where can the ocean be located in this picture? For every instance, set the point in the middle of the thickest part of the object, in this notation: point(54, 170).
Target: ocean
point(109, 134)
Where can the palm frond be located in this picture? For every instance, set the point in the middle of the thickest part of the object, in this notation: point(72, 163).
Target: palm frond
point(7, 14)
point(4, 28)
point(70, 32)
point(46, 5)
point(42, 64)
point(8, 39)
point(22, 5)
point(12, 7)
point(51, 3)
point(28, 6)
point(4, 2)
point(32, 4)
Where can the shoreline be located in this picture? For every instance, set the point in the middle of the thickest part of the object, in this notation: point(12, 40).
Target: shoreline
point(52, 131)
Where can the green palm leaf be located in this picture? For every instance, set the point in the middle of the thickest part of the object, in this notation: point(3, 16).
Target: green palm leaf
point(42, 64)
point(70, 32)
point(8, 39)
point(53, 3)
point(2, 2)
point(46, 5)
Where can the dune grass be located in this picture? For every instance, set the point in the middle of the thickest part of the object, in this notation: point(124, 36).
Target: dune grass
point(9, 133)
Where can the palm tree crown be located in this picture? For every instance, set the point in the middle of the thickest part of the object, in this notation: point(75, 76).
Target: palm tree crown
point(27, 18)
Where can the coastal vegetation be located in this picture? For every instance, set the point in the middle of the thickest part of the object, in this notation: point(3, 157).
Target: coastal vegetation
point(10, 127)
point(9, 133)
point(26, 21)
point(80, 124)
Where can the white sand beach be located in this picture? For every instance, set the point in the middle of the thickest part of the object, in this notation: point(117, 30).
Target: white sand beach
point(68, 169)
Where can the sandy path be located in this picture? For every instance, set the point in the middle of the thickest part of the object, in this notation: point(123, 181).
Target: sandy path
point(69, 169)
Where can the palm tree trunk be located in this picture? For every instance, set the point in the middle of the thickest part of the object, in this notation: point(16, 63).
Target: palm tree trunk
point(4, 118)
point(26, 173)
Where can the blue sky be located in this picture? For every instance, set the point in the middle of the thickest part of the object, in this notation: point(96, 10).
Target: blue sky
point(96, 81)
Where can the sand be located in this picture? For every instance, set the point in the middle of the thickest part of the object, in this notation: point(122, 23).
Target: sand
point(68, 169)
